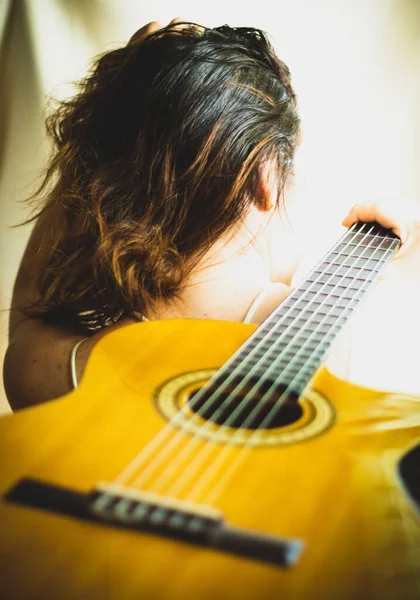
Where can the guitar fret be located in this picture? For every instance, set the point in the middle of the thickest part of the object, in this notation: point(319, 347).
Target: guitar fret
point(331, 290)
point(369, 240)
point(322, 297)
point(341, 258)
point(356, 250)
point(347, 283)
point(339, 269)
point(311, 313)
point(334, 278)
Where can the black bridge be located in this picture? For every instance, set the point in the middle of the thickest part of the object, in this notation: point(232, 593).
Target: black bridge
point(148, 512)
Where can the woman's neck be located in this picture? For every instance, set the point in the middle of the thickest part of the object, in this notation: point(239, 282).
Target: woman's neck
point(226, 280)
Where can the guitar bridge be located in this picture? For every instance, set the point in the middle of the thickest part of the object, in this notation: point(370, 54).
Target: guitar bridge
point(190, 522)
point(149, 511)
point(146, 511)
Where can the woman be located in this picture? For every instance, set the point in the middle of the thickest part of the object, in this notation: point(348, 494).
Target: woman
point(164, 199)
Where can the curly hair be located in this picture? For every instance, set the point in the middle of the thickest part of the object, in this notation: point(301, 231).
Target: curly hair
point(155, 158)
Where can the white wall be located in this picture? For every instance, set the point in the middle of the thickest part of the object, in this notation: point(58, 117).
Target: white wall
point(355, 65)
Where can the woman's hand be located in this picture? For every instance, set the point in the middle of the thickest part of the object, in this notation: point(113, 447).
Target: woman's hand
point(404, 220)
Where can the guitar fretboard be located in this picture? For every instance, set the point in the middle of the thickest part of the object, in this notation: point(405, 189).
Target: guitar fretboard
point(290, 345)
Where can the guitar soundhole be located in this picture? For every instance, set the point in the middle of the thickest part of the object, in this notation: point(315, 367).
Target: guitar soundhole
point(247, 409)
point(200, 403)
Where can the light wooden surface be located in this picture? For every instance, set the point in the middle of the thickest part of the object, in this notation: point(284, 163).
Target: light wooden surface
point(338, 491)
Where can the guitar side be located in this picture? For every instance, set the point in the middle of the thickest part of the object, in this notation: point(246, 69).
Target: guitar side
point(337, 490)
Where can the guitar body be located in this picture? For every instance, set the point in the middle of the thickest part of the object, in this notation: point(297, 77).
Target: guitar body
point(334, 485)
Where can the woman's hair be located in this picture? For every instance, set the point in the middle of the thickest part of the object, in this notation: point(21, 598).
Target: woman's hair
point(158, 155)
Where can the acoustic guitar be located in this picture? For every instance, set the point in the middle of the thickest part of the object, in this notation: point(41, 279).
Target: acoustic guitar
point(211, 460)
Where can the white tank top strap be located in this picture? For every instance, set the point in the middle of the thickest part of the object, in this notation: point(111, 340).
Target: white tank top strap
point(73, 372)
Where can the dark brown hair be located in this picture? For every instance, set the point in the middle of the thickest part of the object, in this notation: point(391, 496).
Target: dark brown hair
point(156, 157)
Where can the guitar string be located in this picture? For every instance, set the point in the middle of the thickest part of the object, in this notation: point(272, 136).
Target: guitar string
point(199, 435)
point(171, 427)
point(158, 460)
point(206, 450)
point(222, 482)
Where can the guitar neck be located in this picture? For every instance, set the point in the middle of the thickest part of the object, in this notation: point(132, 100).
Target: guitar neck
point(290, 345)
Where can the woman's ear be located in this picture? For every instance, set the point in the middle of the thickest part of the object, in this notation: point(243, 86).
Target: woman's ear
point(267, 188)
